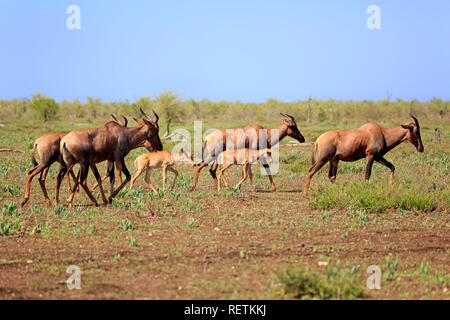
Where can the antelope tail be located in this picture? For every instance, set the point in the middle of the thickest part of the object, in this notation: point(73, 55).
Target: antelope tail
point(33, 156)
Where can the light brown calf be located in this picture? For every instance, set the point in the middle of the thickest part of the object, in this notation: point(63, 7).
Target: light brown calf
point(161, 159)
point(245, 157)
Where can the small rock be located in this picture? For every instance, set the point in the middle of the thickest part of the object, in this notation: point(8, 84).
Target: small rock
point(29, 261)
point(323, 263)
point(217, 229)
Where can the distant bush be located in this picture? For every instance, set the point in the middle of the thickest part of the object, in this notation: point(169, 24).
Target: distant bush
point(169, 104)
point(46, 108)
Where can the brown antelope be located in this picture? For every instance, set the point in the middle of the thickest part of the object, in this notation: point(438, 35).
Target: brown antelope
point(252, 137)
point(161, 159)
point(112, 142)
point(47, 147)
point(245, 157)
point(147, 145)
point(370, 141)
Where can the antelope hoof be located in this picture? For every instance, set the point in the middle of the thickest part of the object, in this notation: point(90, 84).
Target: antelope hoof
point(23, 202)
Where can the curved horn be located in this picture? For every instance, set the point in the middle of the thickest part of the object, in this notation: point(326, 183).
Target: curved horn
point(156, 116)
point(144, 114)
point(415, 119)
point(114, 117)
point(290, 117)
point(125, 120)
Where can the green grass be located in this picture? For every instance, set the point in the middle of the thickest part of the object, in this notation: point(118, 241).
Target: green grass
point(302, 283)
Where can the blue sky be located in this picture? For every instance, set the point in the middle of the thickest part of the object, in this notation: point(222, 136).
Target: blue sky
point(225, 50)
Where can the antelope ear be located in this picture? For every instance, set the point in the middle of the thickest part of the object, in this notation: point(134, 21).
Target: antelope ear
point(406, 126)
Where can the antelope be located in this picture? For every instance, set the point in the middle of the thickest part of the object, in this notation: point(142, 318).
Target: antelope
point(147, 145)
point(161, 159)
point(252, 137)
point(369, 141)
point(246, 157)
point(112, 142)
point(47, 147)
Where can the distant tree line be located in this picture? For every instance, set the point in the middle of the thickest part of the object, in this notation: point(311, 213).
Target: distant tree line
point(170, 105)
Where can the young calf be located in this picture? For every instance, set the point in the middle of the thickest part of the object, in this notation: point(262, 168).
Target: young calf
point(161, 159)
point(245, 157)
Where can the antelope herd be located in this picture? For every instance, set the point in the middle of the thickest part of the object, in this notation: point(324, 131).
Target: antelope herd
point(221, 149)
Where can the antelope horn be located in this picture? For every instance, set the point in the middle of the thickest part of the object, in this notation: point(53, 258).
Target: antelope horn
point(290, 117)
point(144, 114)
point(156, 116)
point(125, 120)
point(287, 116)
point(415, 119)
point(114, 117)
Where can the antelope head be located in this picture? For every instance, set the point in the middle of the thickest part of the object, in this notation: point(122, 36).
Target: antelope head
point(153, 132)
point(413, 134)
point(292, 129)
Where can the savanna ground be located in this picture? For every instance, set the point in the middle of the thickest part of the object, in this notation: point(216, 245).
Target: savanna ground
point(233, 244)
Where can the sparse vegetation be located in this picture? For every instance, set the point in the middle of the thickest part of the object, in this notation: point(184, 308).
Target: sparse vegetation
point(303, 283)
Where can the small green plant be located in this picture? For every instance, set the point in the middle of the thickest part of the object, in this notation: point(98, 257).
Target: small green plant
point(424, 268)
point(363, 217)
point(59, 209)
point(332, 272)
point(122, 193)
point(325, 215)
point(233, 191)
point(91, 229)
point(243, 254)
point(161, 192)
point(344, 235)
point(132, 241)
point(12, 189)
point(392, 268)
point(36, 209)
point(190, 223)
point(351, 271)
point(127, 225)
point(176, 194)
point(4, 228)
point(440, 279)
point(116, 257)
point(9, 209)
